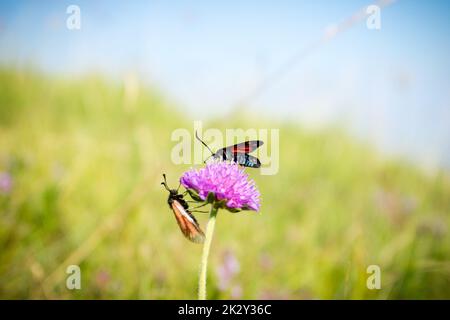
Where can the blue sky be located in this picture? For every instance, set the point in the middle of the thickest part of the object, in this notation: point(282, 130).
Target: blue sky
point(390, 86)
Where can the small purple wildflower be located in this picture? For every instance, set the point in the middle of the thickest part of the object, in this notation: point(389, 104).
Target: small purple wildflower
point(102, 278)
point(5, 183)
point(236, 292)
point(227, 270)
point(227, 182)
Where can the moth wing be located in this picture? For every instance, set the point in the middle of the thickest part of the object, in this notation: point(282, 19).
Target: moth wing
point(227, 153)
point(247, 146)
point(187, 223)
point(247, 160)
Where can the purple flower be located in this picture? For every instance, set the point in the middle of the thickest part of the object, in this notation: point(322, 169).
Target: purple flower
point(236, 292)
point(226, 182)
point(5, 182)
point(227, 270)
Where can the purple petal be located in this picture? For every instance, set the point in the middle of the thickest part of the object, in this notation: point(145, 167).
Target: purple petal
point(227, 181)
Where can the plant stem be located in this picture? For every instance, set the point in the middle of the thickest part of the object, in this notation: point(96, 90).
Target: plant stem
point(205, 253)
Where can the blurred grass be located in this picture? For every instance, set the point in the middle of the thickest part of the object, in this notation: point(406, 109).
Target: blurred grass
point(85, 157)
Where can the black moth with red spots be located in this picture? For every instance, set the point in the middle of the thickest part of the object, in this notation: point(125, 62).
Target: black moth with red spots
point(238, 153)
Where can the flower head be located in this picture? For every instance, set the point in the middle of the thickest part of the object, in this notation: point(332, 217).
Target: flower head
point(224, 181)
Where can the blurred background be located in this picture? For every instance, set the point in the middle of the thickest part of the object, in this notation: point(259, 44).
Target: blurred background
point(86, 117)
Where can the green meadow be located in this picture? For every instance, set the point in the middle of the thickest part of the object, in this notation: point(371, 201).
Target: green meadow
point(81, 161)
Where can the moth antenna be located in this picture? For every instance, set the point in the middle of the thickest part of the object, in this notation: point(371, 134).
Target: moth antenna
point(164, 183)
point(196, 135)
point(208, 158)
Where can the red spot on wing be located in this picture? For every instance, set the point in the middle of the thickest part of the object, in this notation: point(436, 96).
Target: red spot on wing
point(246, 147)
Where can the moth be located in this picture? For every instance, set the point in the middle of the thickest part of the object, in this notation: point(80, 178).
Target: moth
point(186, 221)
point(238, 153)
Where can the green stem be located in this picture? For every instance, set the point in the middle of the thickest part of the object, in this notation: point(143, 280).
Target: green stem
point(205, 253)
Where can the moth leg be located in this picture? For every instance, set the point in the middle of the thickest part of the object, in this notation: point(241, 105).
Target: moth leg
point(199, 211)
point(202, 205)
